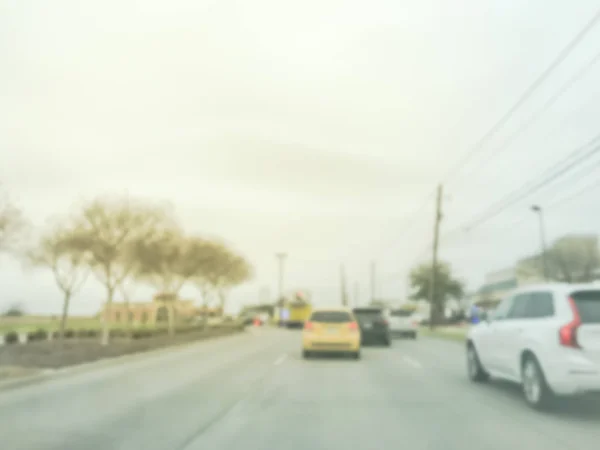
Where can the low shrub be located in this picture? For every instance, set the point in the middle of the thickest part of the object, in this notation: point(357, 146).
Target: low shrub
point(87, 333)
point(160, 332)
point(118, 333)
point(94, 333)
point(11, 337)
point(184, 329)
point(81, 333)
point(141, 333)
point(69, 334)
point(38, 335)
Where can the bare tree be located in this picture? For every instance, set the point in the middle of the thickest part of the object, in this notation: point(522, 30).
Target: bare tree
point(206, 278)
point(171, 260)
point(12, 223)
point(160, 259)
point(57, 251)
point(129, 265)
point(203, 285)
point(222, 269)
point(127, 288)
point(108, 230)
point(230, 271)
point(571, 259)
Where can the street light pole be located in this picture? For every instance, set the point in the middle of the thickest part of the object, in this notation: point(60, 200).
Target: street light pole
point(540, 212)
point(279, 304)
point(281, 259)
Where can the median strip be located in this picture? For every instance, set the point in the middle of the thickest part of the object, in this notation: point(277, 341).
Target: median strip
point(458, 334)
point(24, 363)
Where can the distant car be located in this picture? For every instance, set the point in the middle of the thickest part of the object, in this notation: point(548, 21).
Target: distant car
point(404, 322)
point(374, 326)
point(331, 330)
point(544, 337)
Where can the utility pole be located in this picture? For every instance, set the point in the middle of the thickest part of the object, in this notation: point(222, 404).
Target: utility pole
point(356, 293)
point(436, 232)
point(373, 281)
point(343, 286)
point(540, 212)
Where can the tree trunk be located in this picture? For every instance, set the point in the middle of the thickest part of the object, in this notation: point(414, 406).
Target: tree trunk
point(65, 314)
point(222, 301)
point(127, 318)
point(437, 313)
point(127, 303)
point(205, 302)
point(440, 312)
point(171, 320)
point(106, 324)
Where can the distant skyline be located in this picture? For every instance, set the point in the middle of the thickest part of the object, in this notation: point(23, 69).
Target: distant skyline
point(314, 128)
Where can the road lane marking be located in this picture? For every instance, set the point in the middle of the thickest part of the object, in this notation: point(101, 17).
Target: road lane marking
point(280, 360)
point(412, 362)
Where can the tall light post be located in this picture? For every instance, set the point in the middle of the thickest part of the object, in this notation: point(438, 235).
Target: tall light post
point(281, 259)
point(540, 212)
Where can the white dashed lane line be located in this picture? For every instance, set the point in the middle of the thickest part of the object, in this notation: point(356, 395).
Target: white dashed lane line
point(280, 360)
point(412, 362)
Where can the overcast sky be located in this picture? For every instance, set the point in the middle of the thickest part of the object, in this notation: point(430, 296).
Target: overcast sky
point(317, 128)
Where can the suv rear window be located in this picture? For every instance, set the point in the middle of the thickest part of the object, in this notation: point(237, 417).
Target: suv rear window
point(401, 313)
point(330, 317)
point(367, 311)
point(588, 305)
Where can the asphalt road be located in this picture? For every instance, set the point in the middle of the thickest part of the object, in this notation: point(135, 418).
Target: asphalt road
point(254, 392)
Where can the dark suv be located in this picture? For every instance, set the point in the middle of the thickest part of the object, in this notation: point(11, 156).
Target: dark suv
point(374, 327)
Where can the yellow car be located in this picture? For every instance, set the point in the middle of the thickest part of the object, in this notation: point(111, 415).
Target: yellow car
point(331, 330)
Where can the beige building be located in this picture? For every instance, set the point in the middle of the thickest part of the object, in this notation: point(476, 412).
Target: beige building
point(156, 311)
point(501, 282)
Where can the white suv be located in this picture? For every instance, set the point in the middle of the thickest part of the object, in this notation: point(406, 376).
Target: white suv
point(545, 337)
point(403, 323)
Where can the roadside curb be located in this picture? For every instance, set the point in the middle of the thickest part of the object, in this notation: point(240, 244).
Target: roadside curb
point(446, 335)
point(53, 374)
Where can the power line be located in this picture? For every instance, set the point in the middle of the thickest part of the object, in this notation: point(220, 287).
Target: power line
point(552, 176)
point(412, 218)
point(529, 187)
point(561, 200)
point(563, 54)
point(545, 108)
point(577, 176)
point(575, 194)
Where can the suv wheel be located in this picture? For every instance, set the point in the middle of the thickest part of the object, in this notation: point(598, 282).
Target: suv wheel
point(305, 354)
point(476, 373)
point(535, 389)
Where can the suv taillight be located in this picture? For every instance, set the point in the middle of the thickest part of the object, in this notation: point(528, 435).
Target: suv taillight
point(353, 326)
point(567, 334)
point(308, 326)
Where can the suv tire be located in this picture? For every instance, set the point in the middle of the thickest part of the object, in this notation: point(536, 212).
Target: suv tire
point(476, 372)
point(535, 389)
